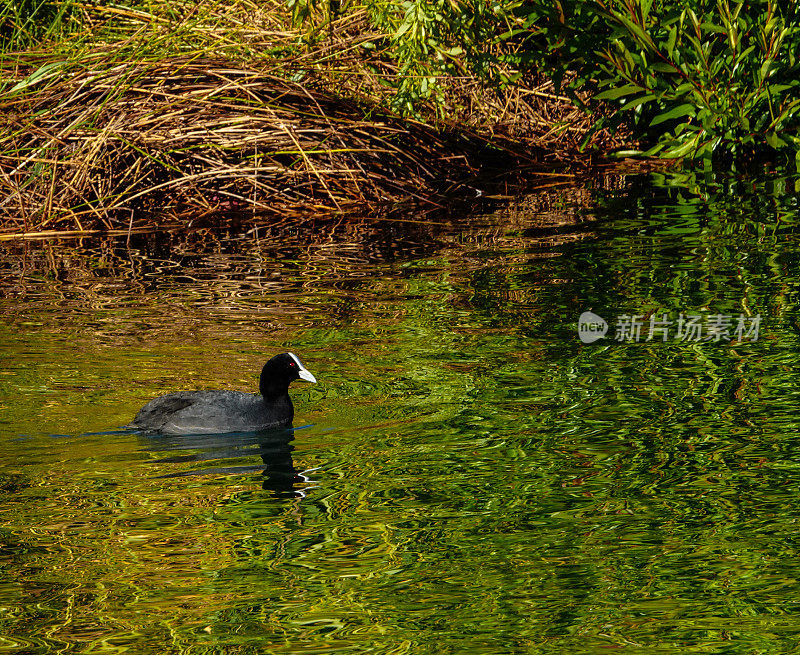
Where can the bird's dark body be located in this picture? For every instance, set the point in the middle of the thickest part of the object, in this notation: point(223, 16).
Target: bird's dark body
point(215, 412)
point(202, 412)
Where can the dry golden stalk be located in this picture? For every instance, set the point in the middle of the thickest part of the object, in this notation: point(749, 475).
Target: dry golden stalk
point(186, 136)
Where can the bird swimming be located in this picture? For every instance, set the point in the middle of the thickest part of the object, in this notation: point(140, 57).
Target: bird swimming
point(215, 412)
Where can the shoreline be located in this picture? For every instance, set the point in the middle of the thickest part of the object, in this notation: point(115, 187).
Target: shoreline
point(125, 146)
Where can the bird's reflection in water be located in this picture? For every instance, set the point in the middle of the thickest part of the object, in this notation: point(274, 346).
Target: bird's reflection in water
point(273, 446)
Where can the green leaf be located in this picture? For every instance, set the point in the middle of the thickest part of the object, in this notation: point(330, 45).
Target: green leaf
point(765, 70)
point(774, 140)
point(673, 35)
point(777, 88)
point(42, 73)
point(618, 92)
point(663, 67)
point(637, 102)
point(627, 153)
point(635, 31)
point(742, 56)
point(676, 112)
point(789, 110)
point(711, 27)
point(680, 150)
point(706, 153)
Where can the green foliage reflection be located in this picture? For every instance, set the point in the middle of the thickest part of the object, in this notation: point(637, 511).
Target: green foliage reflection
point(480, 481)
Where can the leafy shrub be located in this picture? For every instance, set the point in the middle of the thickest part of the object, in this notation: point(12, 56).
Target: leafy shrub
point(424, 41)
point(701, 79)
point(719, 82)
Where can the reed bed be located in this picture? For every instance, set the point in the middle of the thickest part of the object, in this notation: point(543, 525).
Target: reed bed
point(177, 113)
point(112, 147)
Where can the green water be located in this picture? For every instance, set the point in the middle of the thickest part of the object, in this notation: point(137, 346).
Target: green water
point(467, 476)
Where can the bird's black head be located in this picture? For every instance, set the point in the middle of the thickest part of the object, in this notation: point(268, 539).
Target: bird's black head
point(279, 372)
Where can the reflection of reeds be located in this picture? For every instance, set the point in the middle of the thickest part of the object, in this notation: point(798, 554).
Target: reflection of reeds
point(109, 146)
point(235, 274)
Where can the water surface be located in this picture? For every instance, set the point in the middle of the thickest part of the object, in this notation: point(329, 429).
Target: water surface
point(467, 476)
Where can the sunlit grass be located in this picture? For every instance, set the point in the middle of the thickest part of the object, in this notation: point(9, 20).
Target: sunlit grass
point(141, 29)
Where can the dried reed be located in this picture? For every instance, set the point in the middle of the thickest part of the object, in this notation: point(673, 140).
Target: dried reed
point(112, 146)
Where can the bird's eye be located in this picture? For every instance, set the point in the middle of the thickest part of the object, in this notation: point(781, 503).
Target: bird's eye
point(292, 364)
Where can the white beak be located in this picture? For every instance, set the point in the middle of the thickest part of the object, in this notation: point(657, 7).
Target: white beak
point(306, 375)
point(302, 372)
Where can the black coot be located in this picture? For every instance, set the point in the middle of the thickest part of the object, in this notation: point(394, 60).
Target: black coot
point(213, 412)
